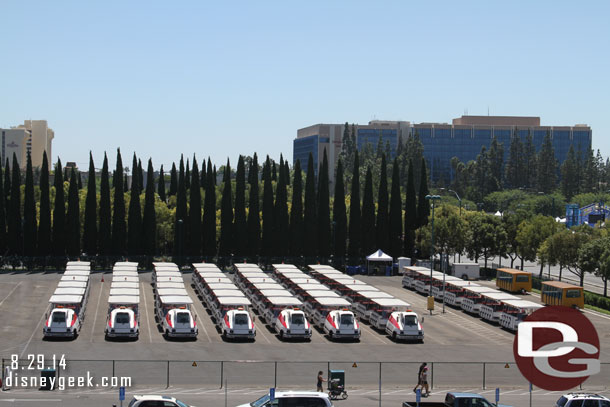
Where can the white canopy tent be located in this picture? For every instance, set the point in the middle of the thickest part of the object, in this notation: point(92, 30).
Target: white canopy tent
point(378, 257)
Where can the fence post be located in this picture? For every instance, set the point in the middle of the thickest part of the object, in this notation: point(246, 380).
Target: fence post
point(379, 384)
point(275, 375)
point(167, 374)
point(484, 375)
point(432, 376)
point(113, 368)
point(222, 372)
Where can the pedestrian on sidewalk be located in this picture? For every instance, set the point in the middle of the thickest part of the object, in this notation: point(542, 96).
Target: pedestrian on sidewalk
point(320, 380)
point(422, 379)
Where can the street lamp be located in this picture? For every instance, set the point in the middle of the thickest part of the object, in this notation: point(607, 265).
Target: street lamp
point(432, 198)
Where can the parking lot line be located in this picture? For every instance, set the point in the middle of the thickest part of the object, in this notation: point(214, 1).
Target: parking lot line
point(9, 294)
point(146, 312)
point(205, 331)
point(31, 336)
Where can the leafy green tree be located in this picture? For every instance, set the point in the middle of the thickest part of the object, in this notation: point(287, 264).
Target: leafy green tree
point(339, 214)
point(282, 237)
point(547, 166)
point(119, 227)
point(530, 235)
point(173, 181)
point(149, 220)
point(565, 246)
point(296, 213)
point(29, 211)
point(15, 235)
point(495, 158)
point(423, 207)
point(161, 185)
point(511, 221)
point(73, 218)
point(324, 210)
point(485, 236)
point(253, 222)
point(368, 215)
point(382, 224)
point(240, 228)
point(134, 216)
point(105, 228)
point(90, 225)
point(209, 213)
point(395, 220)
point(570, 179)
point(590, 177)
point(594, 257)
point(226, 214)
point(44, 224)
point(310, 217)
point(194, 228)
point(411, 218)
point(355, 229)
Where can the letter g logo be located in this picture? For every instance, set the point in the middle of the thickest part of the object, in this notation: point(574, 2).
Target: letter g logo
point(557, 348)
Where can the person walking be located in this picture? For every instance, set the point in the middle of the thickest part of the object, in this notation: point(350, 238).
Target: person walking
point(422, 379)
point(320, 380)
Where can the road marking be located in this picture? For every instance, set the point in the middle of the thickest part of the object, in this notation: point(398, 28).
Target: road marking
point(205, 331)
point(99, 298)
point(36, 400)
point(146, 310)
point(9, 294)
point(32, 336)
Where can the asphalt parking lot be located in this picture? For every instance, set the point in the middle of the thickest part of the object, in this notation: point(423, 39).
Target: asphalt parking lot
point(453, 336)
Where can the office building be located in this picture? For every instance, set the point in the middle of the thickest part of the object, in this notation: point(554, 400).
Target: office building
point(463, 138)
point(33, 137)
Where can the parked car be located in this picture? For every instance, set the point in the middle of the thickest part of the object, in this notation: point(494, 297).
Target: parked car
point(453, 399)
point(292, 398)
point(149, 400)
point(583, 400)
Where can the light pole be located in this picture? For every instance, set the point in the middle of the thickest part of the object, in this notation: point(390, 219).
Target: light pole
point(432, 198)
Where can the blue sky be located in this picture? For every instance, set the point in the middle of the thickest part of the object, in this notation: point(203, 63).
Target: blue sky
point(224, 78)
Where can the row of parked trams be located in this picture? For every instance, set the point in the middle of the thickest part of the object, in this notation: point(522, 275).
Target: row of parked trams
point(288, 300)
point(496, 305)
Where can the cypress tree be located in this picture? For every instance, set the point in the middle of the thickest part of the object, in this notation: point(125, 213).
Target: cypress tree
point(296, 213)
point(226, 214)
point(140, 178)
point(268, 221)
point(181, 214)
point(134, 218)
point(368, 215)
point(395, 226)
point(44, 224)
point(194, 223)
point(7, 185)
point(569, 175)
point(274, 173)
point(355, 230)
point(282, 238)
point(286, 173)
point(209, 214)
point(134, 175)
point(254, 225)
point(203, 178)
point(339, 215)
point(29, 211)
point(79, 181)
point(382, 224)
point(214, 177)
point(149, 221)
point(59, 213)
point(310, 235)
point(187, 175)
point(240, 229)
point(90, 226)
point(105, 228)
point(514, 164)
point(3, 241)
point(411, 222)
point(15, 237)
point(529, 169)
point(173, 181)
point(125, 183)
point(547, 166)
point(119, 227)
point(73, 217)
point(324, 210)
point(161, 186)
point(423, 206)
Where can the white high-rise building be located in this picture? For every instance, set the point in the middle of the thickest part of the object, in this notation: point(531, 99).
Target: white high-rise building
point(33, 136)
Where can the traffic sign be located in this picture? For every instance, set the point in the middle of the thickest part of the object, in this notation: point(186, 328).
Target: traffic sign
point(194, 364)
point(355, 364)
point(272, 394)
point(121, 393)
point(497, 395)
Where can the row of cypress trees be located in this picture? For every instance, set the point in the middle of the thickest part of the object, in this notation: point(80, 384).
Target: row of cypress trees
point(307, 229)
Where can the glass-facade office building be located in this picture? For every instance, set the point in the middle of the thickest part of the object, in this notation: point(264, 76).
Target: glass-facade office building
point(462, 139)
